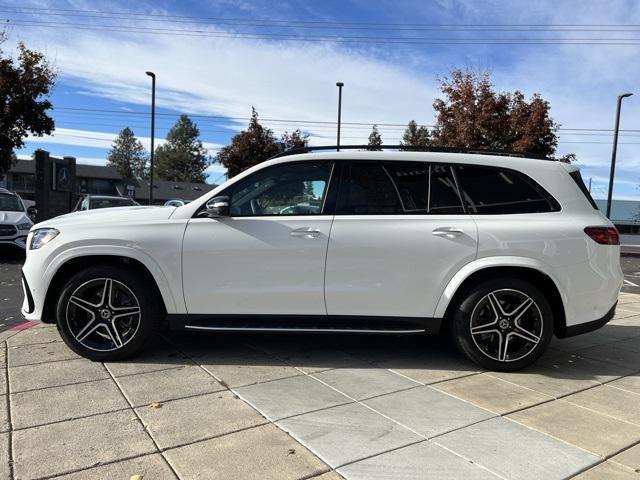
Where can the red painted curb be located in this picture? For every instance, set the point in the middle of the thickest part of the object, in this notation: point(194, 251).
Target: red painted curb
point(22, 326)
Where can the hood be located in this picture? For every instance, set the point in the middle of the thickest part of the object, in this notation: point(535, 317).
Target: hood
point(14, 218)
point(106, 216)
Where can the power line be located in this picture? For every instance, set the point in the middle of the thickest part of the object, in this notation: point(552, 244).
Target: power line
point(330, 38)
point(310, 22)
point(273, 23)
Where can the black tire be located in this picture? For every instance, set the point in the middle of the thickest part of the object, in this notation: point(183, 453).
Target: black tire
point(112, 334)
point(489, 345)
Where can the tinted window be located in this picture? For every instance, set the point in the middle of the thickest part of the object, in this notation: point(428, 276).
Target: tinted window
point(367, 189)
point(286, 189)
point(443, 193)
point(110, 202)
point(493, 191)
point(10, 203)
point(411, 181)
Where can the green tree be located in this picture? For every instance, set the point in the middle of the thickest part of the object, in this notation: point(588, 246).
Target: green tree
point(25, 86)
point(255, 145)
point(415, 136)
point(473, 115)
point(375, 139)
point(128, 156)
point(182, 158)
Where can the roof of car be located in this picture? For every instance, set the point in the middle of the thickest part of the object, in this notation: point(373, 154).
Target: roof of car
point(4, 191)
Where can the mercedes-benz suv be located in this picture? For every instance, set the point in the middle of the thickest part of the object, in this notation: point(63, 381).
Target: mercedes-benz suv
point(14, 220)
point(505, 252)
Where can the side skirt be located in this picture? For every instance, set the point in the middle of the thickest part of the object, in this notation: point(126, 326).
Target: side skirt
point(305, 323)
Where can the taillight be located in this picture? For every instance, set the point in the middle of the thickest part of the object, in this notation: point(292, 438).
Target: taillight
point(603, 235)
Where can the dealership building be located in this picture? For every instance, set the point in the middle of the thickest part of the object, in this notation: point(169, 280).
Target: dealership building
point(103, 180)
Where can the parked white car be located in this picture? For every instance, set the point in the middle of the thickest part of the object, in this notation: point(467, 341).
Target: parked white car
point(505, 251)
point(14, 220)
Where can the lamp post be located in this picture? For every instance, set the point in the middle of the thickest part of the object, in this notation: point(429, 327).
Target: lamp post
point(153, 132)
point(614, 152)
point(339, 85)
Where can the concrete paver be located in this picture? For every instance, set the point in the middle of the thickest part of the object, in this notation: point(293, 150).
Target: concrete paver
point(38, 407)
point(630, 383)
point(362, 383)
point(75, 444)
point(579, 367)
point(159, 356)
point(32, 336)
point(516, 452)
point(260, 453)
point(630, 458)
point(198, 418)
point(608, 471)
point(4, 456)
point(290, 396)
point(39, 353)
point(610, 401)
point(427, 411)
point(423, 461)
point(163, 385)
point(613, 353)
point(578, 426)
point(492, 393)
point(151, 467)
point(4, 414)
point(67, 372)
point(348, 433)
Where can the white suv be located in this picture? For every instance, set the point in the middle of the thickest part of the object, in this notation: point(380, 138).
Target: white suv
point(505, 251)
point(14, 220)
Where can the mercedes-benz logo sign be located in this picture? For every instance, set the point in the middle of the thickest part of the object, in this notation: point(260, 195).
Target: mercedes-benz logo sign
point(63, 176)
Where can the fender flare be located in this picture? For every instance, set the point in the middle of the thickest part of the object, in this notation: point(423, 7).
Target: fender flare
point(489, 262)
point(116, 251)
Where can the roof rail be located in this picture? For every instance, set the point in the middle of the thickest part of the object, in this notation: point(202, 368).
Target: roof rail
point(478, 151)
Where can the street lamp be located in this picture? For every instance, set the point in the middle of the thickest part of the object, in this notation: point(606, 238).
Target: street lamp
point(153, 132)
point(614, 152)
point(339, 85)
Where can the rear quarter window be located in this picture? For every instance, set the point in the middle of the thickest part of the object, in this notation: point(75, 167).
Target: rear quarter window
point(577, 177)
point(496, 191)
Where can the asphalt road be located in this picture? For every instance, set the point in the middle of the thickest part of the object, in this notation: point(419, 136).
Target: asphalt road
point(11, 286)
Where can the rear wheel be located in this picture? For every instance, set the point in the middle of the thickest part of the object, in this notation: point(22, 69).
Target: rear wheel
point(107, 313)
point(503, 324)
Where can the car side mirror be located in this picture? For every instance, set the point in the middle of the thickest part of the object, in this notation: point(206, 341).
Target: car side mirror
point(216, 207)
point(32, 211)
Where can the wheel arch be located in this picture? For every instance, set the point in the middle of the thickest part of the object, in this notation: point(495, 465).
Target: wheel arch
point(73, 265)
point(529, 271)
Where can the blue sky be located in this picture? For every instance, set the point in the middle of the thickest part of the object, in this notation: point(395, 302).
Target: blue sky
point(217, 78)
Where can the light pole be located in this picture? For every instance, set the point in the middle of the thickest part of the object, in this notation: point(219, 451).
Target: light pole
point(339, 85)
point(153, 132)
point(614, 152)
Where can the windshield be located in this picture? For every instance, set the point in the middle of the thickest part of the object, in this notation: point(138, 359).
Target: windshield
point(10, 203)
point(111, 202)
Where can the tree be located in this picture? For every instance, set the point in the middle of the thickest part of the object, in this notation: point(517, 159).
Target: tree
point(375, 139)
point(415, 136)
point(25, 86)
point(255, 145)
point(182, 158)
point(473, 115)
point(128, 156)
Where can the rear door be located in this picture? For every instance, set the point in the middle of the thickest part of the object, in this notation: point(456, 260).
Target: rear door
point(400, 233)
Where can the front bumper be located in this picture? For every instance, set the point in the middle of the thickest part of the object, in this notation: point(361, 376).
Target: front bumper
point(19, 241)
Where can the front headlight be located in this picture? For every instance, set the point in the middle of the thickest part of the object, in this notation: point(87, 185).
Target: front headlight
point(41, 237)
point(24, 226)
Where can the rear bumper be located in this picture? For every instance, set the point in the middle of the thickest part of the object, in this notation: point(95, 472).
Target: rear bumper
point(587, 327)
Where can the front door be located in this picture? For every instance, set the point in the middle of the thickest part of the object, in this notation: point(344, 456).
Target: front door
point(399, 235)
point(268, 256)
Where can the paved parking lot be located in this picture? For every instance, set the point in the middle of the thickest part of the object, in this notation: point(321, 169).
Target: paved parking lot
point(322, 407)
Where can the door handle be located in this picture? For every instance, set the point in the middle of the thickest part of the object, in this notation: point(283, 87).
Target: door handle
point(449, 232)
point(305, 232)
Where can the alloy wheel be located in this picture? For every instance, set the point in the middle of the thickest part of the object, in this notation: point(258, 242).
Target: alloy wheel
point(103, 314)
point(506, 325)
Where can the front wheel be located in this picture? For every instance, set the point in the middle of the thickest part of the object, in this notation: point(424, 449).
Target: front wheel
point(106, 313)
point(503, 324)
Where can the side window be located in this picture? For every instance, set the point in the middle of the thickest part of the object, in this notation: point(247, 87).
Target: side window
point(443, 192)
point(367, 189)
point(411, 182)
point(492, 191)
point(285, 189)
